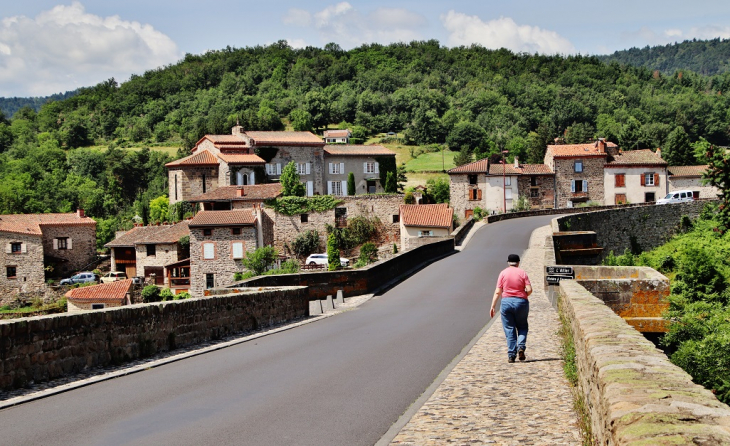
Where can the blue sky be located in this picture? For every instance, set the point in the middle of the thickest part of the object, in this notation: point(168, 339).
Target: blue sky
point(49, 46)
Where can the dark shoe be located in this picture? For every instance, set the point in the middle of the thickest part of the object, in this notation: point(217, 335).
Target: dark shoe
point(521, 354)
point(511, 359)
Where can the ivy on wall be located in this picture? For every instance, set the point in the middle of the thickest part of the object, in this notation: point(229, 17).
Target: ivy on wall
point(301, 205)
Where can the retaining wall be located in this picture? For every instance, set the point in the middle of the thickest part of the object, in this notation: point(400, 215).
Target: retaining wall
point(47, 347)
point(359, 281)
point(634, 394)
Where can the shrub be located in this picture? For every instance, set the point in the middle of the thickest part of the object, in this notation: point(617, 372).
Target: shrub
point(288, 267)
point(408, 198)
point(368, 253)
point(239, 276)
point(306, 243)
point(150, 293)
point(260, 260)
point(479, 213)
point(181, 295)
point(166, 294)
point(395, 248)
point(333, 252)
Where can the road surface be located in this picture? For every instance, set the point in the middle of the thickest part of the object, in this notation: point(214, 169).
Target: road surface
point(341, 381)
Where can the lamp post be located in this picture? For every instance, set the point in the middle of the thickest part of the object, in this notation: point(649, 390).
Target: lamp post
point(504, 183)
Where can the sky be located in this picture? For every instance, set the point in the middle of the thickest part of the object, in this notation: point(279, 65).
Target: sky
point(49, 46)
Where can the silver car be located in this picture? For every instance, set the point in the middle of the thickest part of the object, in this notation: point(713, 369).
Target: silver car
point(321, 259)
point(84, 277)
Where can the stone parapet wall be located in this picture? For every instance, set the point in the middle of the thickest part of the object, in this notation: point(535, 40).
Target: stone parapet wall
point(47, 347)
point(645, 227)
point(633, 393)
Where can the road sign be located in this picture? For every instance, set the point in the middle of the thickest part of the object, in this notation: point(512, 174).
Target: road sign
point(561, 270)
point(554, 280)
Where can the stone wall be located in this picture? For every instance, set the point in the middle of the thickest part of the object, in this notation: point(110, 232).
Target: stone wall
point(190, 182)
point(706, 191)
point(29, 274)
point(47, 347)
point(460, 193)
point(306, 154)
point(355, 165)
point(83, 246)
point(592, 172)
point(632, 391)
point(542, 194)
point(223, 266)
point(646, 226)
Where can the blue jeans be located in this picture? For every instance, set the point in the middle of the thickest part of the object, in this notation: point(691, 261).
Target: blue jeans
point(514, 312)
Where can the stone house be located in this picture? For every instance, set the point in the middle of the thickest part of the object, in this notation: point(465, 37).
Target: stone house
point(228, 198)
point(690, 178)
point(98, 297)
point(578, 168)
point(64, 243)
point(361, 161)
point(537, 182)
point(634, 176)
point(250, 158)
point(421, 224)
point(218, 242)
point(337, 136)
point(146, 250)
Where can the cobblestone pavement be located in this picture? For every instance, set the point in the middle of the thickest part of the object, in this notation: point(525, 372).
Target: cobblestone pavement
point(485, 400)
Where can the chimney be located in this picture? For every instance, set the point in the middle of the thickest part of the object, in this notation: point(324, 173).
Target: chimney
point(80, 213)
point(517, 163)
point(659, 152)
point(601, 145)
point(239, 192)
point(237, 130)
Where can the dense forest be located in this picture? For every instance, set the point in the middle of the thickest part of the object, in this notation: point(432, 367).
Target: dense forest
point(73, 152)
point(708, 57)
point(9, 106)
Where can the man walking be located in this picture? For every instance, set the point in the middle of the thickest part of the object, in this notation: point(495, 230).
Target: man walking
point(514, 287)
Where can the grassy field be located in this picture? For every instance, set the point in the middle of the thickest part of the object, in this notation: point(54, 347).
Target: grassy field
point(170, 150)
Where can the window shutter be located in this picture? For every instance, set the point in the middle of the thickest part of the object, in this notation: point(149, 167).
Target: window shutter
point(69, 245)
point(332, 169)
point(23, 247)
point(307, 167)
point(208, 251)
point(8, 248)
point(656, 179)
point(342, 168)
point(377, 167)
point(479, 194)
point(643, 180)
point(344, 188)
point(278, 168)
point(572, 185)
point(329, 188)
point(237, 250)
point(364, 167)
point(585, 185)
point(252, 178)
point(310, 188)
point(55, 243)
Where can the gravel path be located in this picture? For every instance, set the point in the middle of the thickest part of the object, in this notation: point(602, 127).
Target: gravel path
point(485, 400)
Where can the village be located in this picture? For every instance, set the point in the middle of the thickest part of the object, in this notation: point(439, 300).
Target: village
point(230, 188)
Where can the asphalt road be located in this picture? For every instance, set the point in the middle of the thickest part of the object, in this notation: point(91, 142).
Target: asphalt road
point(341, 381)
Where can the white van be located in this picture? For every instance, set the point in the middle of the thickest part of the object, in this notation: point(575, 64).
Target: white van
point(678, 196)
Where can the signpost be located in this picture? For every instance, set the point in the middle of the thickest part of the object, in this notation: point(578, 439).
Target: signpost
point(554, 274)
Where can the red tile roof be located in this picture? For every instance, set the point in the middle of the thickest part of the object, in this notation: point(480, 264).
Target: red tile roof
point(147, 235)
point(223, 218)
point(32, 223)
point(687, 171)
point(241, 158)
point(337, 133)
point(636, 158)
point(590, 149)
point(509, 169)
point(427, 215)
point(475, 167)
point(285, 138)
point(104, 292)
point(349, 149)
point(536, 169)
point(257, 192)
point(202, 158)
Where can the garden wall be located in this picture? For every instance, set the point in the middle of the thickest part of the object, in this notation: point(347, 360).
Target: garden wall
point(47, 347)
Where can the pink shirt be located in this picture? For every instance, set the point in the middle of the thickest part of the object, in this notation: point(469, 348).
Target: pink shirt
point(513, 280)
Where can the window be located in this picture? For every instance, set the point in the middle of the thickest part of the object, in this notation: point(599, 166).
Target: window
point(396, 218)
point(16, 248)
point(303, 168)
point(237, 250)
point(11, 272)
point(209, 281)
point(203, 183)
point(369, 167)
point(336, 188)
point(579, 186)
point(337, 168)
point(620, 180)
point(508, 181)
point(649, 197)
point(534, 193)
point(475, 194)
point(98, 306)
point(304, 218)
point(151, 250)
point(578, 166)
point(63, 243)
point(620, 199)
point(207, 232)
point(208, 251)
point(236, 231)
point(425, 233)
point(508, 194)
point(273, 169)
point(473, 180)
point(533, 181)
point(649, 179)
point(175, 187)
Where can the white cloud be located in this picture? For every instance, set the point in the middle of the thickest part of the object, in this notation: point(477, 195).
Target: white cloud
point(347, 26)
point(503, 33)
point(646, 36)
point(297, 43)
point(65, 48)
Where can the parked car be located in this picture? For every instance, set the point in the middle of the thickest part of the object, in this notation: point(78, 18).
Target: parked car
point(678, 196)
point(84, 277)
point(113, 276)
point(321, 259)
point(138, 280)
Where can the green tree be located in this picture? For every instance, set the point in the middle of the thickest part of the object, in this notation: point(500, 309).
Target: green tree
point(290, 183)
point(677, 151)
point(390, 184)
point(301, 120)
point(463, 157)
point(718, 175)
point(467, 135)
point(159, 209)
point(438, 190)
point(305, 243)
point(333, 252)
point(630, 136)
point(351, 184)
point(260, 260)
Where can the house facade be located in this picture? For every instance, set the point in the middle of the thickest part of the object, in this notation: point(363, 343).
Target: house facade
point(99, 297)
point(690, 178)
point(421, 224)
point(218, 242)
point(635, 176)
point(337, 136)
point(61, 243)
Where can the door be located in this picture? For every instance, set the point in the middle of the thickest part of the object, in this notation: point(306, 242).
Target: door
point(371, 187)
point(131, 270)
point(468, 213)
